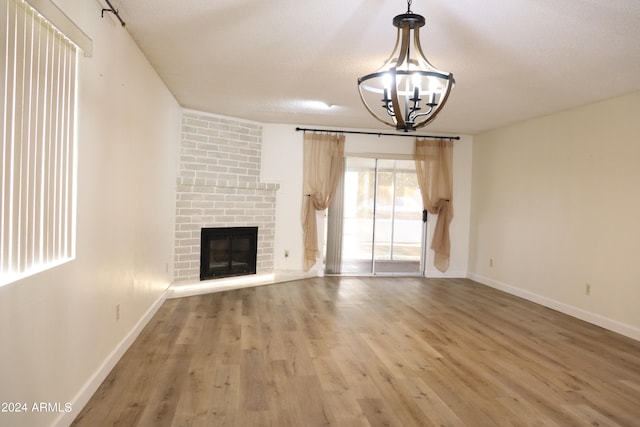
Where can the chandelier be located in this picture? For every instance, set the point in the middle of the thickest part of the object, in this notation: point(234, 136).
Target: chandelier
point(407, 92)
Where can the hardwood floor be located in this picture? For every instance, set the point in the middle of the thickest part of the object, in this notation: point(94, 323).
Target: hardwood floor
point(369, 352)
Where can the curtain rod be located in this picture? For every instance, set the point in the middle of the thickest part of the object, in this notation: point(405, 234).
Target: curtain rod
point(379, 134)
point(114, 11)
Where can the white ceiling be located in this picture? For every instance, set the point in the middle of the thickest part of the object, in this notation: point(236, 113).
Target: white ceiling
point(285, 61)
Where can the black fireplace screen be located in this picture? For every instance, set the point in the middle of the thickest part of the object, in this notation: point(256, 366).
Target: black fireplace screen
point(229, 251)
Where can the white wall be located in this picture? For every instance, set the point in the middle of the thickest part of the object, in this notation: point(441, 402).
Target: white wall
point(556, 206)
point(282, 163)
point(57, 328)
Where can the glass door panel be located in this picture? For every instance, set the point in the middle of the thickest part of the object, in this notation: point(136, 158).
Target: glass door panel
point(359, 202)
point(382, 224)
point(398, 219)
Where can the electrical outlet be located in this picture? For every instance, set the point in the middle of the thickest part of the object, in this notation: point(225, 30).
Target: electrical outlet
point(490, 262)
point(117, 311)
point(587, 289)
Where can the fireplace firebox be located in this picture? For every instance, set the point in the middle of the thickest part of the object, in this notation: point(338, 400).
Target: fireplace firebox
point(228, 251)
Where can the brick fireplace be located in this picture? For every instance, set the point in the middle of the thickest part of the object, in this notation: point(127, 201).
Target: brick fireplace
point(218, 185)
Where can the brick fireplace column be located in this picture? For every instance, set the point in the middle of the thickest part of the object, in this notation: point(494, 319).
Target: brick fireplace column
point(218, 186)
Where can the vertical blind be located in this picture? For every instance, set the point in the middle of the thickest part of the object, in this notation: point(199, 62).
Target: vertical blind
point(37, 112)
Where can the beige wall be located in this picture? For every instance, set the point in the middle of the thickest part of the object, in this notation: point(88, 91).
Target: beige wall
point(57, 328)
point(556, 206)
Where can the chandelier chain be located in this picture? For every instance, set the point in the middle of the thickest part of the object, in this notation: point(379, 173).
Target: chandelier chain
point(409, 6)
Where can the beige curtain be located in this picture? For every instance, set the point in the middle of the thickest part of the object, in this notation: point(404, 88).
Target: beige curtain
point(434, 162)
point(323, 165)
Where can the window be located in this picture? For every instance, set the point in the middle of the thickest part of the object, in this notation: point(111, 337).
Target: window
point(37, 149)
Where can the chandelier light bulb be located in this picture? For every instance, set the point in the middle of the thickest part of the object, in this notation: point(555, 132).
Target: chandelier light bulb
point(386, 81)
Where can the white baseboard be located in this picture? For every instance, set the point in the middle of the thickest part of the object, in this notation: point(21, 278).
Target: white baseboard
point(91, 386)
point(593, 318)
point(436, 274)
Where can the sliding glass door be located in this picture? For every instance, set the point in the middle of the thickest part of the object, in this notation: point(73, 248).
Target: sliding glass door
point(381, 218)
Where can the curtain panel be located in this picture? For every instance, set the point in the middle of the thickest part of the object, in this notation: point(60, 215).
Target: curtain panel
point(434, 164)
point(323, 165)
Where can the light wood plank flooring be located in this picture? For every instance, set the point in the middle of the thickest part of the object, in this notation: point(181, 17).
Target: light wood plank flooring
point(347, 351)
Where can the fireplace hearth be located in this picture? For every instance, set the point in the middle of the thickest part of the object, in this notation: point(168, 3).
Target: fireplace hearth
point(228, 251)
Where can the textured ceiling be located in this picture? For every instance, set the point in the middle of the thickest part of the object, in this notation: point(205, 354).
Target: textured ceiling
point(297, 62)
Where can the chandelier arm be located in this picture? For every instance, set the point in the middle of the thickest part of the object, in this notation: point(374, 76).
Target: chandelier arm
point(404, 44)
point(412, 113)
point(390, 60)
point(426, 113)
point(362, 98)
point(420, 53)
point(389, 109)
point(443, 101)
point(404, 49)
